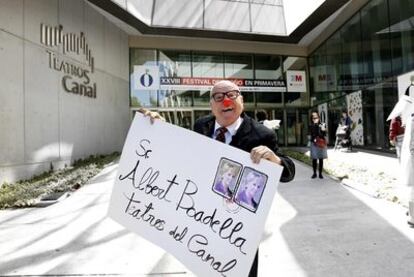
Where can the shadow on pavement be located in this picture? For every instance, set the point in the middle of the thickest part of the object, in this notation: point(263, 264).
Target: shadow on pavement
point(336, 234)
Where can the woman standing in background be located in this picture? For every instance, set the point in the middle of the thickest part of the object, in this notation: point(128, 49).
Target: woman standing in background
point(318, 147)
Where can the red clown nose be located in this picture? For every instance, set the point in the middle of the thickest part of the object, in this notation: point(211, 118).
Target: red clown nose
point(227, 102)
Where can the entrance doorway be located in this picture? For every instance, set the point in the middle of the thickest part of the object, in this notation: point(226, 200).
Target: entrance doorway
point(293, 130)
point(297, 123)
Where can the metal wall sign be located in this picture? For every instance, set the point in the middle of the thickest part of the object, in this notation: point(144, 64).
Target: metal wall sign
point(76, 78)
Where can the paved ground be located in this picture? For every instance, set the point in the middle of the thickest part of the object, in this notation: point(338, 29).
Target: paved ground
point(373, 173)
point(315, 228)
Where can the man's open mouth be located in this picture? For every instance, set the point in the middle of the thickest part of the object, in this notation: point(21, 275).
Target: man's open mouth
point(227, 110)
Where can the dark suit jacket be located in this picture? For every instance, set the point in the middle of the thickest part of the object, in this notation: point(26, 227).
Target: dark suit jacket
point(249, 135)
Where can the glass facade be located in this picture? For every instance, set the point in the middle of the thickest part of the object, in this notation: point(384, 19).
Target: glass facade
point(356, 69)
point(182, 105)
point(249, 16)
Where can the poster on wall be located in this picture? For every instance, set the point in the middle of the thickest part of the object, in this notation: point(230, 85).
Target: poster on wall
point(146, 77)
point(296, 81)
point(199, 199)
point(354, 104)
point(323, 115)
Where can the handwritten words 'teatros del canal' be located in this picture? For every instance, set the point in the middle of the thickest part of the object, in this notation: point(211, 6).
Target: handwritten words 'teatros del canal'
point(147, 183)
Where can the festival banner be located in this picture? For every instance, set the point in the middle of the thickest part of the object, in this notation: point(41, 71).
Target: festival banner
point(201, 200)
point(191, 83)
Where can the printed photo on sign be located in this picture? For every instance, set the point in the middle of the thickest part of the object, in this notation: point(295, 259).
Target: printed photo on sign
point(250, 189)
point(226, 177)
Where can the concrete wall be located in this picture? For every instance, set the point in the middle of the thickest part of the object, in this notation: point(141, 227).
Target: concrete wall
point(40, 123)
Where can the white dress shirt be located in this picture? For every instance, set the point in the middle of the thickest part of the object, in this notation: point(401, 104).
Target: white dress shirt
point(231, 129)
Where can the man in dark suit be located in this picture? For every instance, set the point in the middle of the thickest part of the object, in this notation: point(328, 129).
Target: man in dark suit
point(242, 132)
point(229, 124)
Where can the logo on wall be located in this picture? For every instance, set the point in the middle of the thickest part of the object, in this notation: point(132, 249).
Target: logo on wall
point(296, 81)
point(76, 79)
point(146, 77)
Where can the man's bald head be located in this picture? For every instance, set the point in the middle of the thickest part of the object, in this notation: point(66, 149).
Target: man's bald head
point(224, 86)
point(226, 102)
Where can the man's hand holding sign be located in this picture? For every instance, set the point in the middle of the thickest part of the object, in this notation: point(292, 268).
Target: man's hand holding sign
point(201, 200)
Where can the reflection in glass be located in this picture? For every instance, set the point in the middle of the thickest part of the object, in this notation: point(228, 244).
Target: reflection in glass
point(269, 97)
point(168, 115)
point(184, 119)
point(200, 113)
point(402, 35)
point(201, 98)
point(324, 67)
point(175, 63)
point(238, 66)
point(183, 105)
point(175, 98)
point(278, 114)
point(248, 98)
point(268, 67)
point(351, 75)
point(292, 127)
point(208, 65)
point(375, 46)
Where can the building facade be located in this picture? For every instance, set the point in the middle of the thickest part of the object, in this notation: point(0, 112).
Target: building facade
point(187, 75)
point(74, 72)
point(356, 69)
point(64, 85)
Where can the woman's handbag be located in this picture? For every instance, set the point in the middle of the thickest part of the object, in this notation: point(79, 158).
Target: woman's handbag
point(320, 142)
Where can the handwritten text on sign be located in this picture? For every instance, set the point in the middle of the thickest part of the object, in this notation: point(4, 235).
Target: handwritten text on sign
point(201, 200)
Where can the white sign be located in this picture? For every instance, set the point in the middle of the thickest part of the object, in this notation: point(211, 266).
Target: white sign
point(201, 200)
point(147, 77)
point(296, 81)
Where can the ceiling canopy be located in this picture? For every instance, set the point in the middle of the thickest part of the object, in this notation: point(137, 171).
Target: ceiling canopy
point(256, 20)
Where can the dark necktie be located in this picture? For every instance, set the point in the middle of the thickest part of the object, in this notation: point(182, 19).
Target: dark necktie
point(221, 134)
